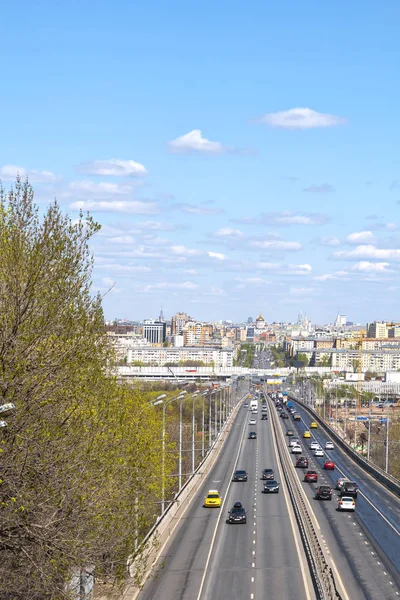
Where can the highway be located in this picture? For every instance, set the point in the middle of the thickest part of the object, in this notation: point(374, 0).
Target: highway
point(209, 558)
point(365, 545)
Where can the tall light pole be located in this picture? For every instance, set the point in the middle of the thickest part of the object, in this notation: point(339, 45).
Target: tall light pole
point(193, 424)
point(387, 437)
point(369, 429)
point(167, 403)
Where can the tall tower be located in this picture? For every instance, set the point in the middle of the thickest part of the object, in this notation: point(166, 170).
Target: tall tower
point(161, 317)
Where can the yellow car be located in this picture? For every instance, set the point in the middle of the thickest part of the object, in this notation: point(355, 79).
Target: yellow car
point(306, 434)
point(212, 500)
point(314, 425)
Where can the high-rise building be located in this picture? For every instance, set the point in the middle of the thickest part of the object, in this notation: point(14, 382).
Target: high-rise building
point(196, 334)
point(249, 320)
point(378, 329)
point(155, 332)
point(340, 321)
point(178, 322)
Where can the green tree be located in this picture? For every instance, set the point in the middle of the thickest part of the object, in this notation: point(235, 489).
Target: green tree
point(303, 359)
point(79, 458)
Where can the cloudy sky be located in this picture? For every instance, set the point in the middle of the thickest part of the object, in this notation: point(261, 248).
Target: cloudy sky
point(240, 157)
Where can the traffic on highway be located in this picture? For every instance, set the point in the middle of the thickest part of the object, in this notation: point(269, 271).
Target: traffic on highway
point(240, 536)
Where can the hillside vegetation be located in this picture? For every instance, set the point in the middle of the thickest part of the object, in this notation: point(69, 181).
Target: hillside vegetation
point(80, 456)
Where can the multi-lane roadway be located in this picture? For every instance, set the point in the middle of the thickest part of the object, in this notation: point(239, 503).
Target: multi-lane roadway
point(208, 558)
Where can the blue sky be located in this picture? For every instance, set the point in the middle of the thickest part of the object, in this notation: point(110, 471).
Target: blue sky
point(240, 157)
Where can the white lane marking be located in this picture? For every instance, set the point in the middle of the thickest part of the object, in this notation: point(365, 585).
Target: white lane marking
point(220, 514)
point(251, 596)
point(254, 552)
point(254, 541)
point(252, 580)
point(359, 491)
point(253, 565)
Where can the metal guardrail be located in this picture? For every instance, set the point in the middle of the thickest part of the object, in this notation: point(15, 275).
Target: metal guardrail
point(387, 480)
point(321, 571)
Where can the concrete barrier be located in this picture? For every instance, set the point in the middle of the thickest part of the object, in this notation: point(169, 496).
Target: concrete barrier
point(387, 480)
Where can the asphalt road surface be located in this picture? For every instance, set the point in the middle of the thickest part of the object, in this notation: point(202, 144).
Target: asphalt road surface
point(365, 545)
point(208, 558)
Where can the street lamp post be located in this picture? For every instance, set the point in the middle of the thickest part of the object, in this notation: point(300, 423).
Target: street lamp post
point(163, 444)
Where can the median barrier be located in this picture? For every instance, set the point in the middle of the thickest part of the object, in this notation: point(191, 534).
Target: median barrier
point(387, 480)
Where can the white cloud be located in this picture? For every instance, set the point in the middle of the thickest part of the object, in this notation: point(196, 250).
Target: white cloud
point(217, 255)
point(114, 167)
point(123, 268)
point(10, 172)
point(332, 276)
point(228, 232)
point(184, 251)
point(122, 239)
point(360, 237)
point(200, 209)
point(329, 240)
point(99, 189)
point(109, 285)
point(195, 142)
point(285, 217)
point(370, 267)
point(277, 245)
point(135, 207)
point(168, 285)
point(368, 252)
point(282, 269)
point(301, 118)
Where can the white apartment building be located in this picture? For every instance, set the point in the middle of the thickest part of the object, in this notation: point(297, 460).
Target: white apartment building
point(148, 355)
point(377, 361)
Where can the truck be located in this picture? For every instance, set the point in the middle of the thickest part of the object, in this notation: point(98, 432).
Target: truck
point(253, 405)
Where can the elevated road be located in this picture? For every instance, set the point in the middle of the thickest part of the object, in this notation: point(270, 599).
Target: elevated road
point(208, 558)
point(365, 545)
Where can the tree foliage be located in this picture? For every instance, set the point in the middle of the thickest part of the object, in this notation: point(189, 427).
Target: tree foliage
point(79, 458)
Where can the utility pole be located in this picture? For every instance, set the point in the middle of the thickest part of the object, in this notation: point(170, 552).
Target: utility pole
point(387, 438)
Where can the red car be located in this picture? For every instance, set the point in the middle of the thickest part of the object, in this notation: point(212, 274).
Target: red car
point(330, 465)
point(311, 476)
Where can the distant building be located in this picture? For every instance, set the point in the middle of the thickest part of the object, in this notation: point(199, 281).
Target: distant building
point(249, 320)
point(260, 322)
point(378, 329)
point(155, 333)
point(178, 322)
point(218, 357)
point(196, 334)
point(340, 321)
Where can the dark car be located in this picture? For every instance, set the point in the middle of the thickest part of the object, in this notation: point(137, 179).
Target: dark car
point(349, 488)
point(290, 432)
point(284, 416)
point(252, 435)
point(311, 476)
point(240, 475)
point(237, 514)
point(271, 487)
point(264, 417)
point(302, 462)
point(267, 474)
point(323, 492)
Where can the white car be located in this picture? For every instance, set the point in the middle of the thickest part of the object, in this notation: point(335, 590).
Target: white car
point(252, 422)
point(314, 446)
point(318, 452)
point(296, 450)
point(346, 503)
point(294, 441)
point(329, 446)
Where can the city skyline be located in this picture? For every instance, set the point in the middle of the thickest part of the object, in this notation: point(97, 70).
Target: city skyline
point(256, 168)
